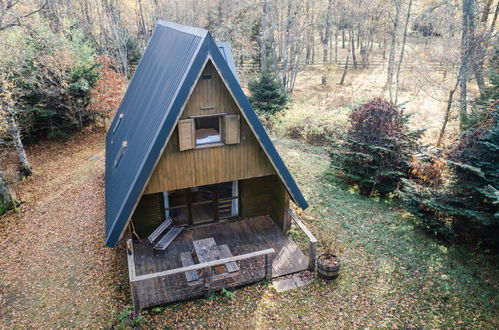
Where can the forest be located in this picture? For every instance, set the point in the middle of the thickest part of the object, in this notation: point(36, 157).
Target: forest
point(385, 112)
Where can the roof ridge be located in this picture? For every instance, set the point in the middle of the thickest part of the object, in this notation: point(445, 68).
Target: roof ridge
point(184, 28)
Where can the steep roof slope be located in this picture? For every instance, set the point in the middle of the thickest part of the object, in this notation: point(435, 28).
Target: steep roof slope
point(152, 104)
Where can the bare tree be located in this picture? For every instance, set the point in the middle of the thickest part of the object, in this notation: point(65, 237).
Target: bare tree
point(7, 202)
point(402, 50)
point(12, 13)
point(447, 113)
point(16, 137)
point(325, 36)
point(264, 36)
point(393, 38)
point(466, 41)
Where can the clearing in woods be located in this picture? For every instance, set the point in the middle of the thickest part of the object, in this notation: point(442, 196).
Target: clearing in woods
point(56, 272)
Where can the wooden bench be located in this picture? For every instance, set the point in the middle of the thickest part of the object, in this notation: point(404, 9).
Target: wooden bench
point(225, 253)
point(158, 231)
point(168, 238)
point(186, 259)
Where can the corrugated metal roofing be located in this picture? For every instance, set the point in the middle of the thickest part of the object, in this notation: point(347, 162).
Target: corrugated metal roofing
point(151, 107)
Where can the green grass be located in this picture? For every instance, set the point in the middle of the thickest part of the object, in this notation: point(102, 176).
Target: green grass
point(393, 275)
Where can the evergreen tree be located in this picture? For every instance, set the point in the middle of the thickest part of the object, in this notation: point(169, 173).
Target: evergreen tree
point(468, 203)
point(376, 151)
point(267, 95)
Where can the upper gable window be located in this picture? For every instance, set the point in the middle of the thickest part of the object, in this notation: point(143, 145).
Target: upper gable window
point(208, 130)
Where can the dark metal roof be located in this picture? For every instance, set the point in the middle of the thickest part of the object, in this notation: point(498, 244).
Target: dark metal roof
point(226, 51)
point(150, 109)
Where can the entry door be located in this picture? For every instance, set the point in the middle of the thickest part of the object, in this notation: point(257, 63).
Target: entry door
point(202, 204)
point(197, 205)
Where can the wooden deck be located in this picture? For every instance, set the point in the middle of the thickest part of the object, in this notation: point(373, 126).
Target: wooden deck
point(241, 236)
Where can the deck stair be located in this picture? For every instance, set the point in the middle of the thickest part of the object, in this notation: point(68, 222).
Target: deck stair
point(161, 228)
point(168, 238)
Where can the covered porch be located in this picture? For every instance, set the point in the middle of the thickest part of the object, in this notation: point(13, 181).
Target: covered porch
point(253, 249)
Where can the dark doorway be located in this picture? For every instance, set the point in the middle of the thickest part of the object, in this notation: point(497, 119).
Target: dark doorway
point(203, 204)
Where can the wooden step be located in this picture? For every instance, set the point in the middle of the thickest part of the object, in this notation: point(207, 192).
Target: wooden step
point(161, 228)
point(225, 253)
point(186, 259)
point(168, 238)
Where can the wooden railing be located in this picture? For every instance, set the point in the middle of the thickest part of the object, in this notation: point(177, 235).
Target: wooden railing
point(207, 266)
point(312, 240)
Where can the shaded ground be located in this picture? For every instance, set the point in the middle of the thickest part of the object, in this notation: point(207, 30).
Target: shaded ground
point(55, 271)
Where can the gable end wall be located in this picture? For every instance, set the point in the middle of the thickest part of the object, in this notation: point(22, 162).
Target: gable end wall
point(182, 169)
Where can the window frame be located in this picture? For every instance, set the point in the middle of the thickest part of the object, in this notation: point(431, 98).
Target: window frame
point(220, 117)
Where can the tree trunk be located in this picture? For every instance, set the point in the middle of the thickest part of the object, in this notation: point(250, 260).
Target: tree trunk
point(391, 57)
point(343, 39)
point(465, 54)
point(494, 20)
point(16, 137)
point(343, 76)
point(354, 58)
point(287, 41)
point(336, 47)
point(402, 50)
point(325, 42)
point(7, 202)
point(263, 38)
point(309, 33)
point(447, 113)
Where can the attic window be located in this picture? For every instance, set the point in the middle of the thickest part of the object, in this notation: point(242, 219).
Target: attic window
point(206, 76)
point(124, 145)
point(120, 119)
point(208, 130)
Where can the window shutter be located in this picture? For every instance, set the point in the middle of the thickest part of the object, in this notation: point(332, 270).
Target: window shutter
point(232, 129)
point(186, 134)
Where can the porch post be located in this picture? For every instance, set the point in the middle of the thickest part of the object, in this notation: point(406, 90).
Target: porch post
point(312, 254)
point(208, 280)
point(268, 267)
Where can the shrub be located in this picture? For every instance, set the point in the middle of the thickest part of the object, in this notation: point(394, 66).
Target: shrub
point(376, 151)
point(108, 90)
point(314, 125)
point(267, 95)
point(466, 204)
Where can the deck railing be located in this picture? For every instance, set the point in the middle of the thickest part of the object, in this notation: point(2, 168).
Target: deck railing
point(311, 238)
point(208, 278)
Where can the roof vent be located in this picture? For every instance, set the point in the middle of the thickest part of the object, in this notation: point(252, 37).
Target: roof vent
point(120, 119)
point(124, 145)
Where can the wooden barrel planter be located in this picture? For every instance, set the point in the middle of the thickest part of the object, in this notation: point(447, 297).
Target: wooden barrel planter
point(328, 266)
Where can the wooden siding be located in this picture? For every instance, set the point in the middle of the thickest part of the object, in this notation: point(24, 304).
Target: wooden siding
point(280, 205)
point(149, 214)
point(265, 196)
point(181, 169)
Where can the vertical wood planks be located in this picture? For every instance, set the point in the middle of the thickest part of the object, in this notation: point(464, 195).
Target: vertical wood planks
point(244, 159)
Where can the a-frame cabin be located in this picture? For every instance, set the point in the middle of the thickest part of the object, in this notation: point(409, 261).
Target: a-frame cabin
point(193, 183)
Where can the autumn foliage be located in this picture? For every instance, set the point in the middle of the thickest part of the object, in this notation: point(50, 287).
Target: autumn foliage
point(108, 90)
point(375, 153)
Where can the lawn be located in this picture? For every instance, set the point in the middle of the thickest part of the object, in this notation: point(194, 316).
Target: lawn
point(55, 271)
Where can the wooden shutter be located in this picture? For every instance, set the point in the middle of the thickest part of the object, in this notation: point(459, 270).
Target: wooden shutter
point(232, 129)
point(186, 134)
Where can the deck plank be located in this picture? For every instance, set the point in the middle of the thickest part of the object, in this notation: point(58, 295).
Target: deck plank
point(242, 236)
